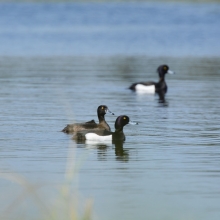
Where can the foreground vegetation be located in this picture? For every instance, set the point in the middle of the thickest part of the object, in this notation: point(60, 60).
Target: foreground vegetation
point(42, 201)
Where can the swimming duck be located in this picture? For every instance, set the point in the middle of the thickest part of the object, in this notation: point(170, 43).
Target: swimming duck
point(104, 135)
point(153, 87)
point(91, 125)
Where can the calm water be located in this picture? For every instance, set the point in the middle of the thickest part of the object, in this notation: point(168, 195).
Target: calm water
point(58, 63)
point(87, 29)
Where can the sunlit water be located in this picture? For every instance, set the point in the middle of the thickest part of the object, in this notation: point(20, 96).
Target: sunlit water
point(169, 165)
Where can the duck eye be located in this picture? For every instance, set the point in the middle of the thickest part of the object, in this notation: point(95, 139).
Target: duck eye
point(102, 107)
point(124, 118)
point(165, 68)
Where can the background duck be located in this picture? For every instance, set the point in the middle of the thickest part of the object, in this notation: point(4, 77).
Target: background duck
point(153, 87)
point(91, 125)
point(104, 135)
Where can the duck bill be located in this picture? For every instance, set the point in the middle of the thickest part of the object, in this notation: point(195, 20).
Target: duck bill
point(170, 72)
point(133, 123)
point(109, 112)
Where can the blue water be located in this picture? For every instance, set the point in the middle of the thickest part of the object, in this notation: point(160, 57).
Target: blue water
point(59, 62)
point(171, 29)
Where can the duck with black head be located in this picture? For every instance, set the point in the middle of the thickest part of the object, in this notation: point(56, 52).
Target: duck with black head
point(104, 135)
point(91, 125)
point(153, 87)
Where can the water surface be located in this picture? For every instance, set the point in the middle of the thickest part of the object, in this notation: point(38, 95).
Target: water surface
point(154, 29)
point(169, 162)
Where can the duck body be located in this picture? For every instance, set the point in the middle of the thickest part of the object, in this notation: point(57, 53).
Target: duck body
point(153, 87)
point(117, 135)
point(150, 87)
point(106, 136)
point(95, 135)
point(91, 125)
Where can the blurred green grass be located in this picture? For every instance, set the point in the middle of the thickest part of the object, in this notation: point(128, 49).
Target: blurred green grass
point(46, 201)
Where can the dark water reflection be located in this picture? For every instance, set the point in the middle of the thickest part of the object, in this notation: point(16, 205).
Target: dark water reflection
point(102, 149)
point(169, 162)
point(121, 153)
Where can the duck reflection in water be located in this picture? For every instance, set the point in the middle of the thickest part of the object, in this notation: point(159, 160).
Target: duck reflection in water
point(161, 99)
point(103, 150)
point(121, 153)
point(103, 147)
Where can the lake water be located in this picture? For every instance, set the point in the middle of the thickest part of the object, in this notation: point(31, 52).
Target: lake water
point(59, 62)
